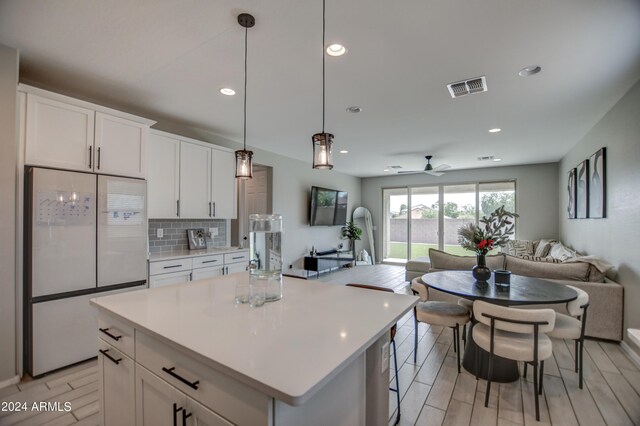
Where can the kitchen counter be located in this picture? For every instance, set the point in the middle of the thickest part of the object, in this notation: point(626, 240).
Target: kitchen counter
point(180, 254)
point(287, 350)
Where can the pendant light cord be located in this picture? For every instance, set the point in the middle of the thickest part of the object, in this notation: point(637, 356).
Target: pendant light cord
point(323, 31)
point(245, 90)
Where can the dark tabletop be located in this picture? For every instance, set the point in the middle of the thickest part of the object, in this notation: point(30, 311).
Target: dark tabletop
point(523, 290)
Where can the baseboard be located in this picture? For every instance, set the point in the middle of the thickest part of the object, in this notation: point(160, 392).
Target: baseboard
point(9, 382)
point(632, 354)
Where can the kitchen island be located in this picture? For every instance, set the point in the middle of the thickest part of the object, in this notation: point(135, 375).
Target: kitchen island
point(187, 354)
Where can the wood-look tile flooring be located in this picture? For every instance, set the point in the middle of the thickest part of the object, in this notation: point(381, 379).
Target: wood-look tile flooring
point(433, 393)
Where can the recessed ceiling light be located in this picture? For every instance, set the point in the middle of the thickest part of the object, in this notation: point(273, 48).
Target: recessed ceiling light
point(496, 130)
point(354, 109)
point(227, 91)
point(531, 70)
point(336, 50)
point(344, 151)
point(385, 170)
point(497, 159)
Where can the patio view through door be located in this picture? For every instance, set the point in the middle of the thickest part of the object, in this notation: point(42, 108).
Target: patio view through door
point(419, 218)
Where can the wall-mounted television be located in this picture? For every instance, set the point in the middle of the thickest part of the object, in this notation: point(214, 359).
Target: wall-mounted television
point(328, 207)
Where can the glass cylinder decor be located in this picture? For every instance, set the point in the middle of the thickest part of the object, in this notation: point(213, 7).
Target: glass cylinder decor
point(265, 251)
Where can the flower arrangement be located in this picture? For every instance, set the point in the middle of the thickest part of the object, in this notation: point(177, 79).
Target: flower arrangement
point(493, 232)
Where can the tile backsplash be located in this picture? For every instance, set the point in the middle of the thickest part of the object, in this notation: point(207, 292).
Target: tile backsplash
point(175, 233)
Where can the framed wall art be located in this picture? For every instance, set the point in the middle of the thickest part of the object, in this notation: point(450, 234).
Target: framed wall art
point(582, 190)
point(571, 194)
point(597, 184)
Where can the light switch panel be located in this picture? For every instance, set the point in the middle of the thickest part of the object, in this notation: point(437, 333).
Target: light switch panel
point(160, 233)
point(213, 232)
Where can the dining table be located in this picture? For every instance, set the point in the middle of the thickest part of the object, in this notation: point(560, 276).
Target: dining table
point(521, 291)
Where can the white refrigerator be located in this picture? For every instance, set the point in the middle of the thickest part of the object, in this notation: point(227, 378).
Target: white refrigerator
point(86, 236)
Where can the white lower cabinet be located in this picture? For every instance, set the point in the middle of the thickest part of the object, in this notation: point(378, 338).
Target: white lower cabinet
point(157, 402)
point(201, 416)
point(204, 273)
point(117, 392)
point(171, 278)
point(234, 268)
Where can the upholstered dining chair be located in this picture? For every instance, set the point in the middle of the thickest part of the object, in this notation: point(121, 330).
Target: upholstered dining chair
point(443, 314)
point(572, 327)
point(393, 344)
point(516, 334)
point(468, 304)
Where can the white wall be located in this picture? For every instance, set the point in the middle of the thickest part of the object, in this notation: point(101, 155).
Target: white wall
point(616, 238)
point(8, 171)
point(292, 182)
point(536, 195)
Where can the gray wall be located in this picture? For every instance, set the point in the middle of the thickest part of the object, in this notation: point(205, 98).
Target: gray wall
point(292, 181)
point(536, 195)
point(8, 171)
point(616, 238)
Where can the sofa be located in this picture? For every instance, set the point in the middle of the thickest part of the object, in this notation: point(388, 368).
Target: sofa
point(606, 297)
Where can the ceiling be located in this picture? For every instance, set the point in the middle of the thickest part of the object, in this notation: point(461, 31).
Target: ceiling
point(167, 59)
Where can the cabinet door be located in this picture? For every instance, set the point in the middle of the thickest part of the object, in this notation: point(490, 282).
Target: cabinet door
point(204, 273)
point(59, 135)
point(117, 374)
point(195, 181)
point(163, 177)
point(235, 268)
point(199, 415)
point(157, 402)
point(172, 278)
point(223, 193)
point(120, 146)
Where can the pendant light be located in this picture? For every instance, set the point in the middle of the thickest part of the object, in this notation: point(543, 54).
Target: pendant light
point(322, 142)
point(244, 162)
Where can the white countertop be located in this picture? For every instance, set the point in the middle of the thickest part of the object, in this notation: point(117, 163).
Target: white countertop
point(180, 254)
point(287, 349)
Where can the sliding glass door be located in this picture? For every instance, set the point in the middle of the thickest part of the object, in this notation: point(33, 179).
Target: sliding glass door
point(419, 218)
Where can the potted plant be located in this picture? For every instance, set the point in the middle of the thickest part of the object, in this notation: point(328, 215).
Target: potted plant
point(351, 232)
point(493, 231)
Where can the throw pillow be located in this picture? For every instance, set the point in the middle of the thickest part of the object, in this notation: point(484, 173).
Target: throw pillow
point(445, 261)
point(552, 271)
point(543, 248)
point(518, 247)
point(560, 251)
point(540, 259)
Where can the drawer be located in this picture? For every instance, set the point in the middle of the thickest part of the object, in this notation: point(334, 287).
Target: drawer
point(117, 334)
point(207, 261)
point(237, 257)
point(224, 395)
point(166, 266)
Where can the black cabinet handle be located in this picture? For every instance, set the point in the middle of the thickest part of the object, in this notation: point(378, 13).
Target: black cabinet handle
point(90, 155)
point(185, 416)
point(214, 209)
point(209, 261)
point(106, 331)
point(172, 266)
point(178, 208)
point(99, 158)
point(176, 410)
point(238, 257)
point(209, 208)
point(192, 385)
point(104, 352)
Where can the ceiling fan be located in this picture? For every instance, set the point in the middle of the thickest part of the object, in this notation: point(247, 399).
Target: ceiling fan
point(429, 169)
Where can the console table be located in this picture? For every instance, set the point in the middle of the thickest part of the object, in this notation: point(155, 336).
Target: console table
point(320, 263)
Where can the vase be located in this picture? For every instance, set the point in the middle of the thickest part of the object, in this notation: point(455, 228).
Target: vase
point(481, 272)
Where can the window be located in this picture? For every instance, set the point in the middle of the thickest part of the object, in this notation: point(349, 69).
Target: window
point(420, 218)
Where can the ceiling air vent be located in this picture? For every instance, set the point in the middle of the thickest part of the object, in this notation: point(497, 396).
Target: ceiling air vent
point(396, 167)
point(486, 158)
point(465, 87)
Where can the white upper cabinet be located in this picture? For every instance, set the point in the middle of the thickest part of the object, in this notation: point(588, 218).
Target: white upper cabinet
point(223, 188)
point(120, 146)
point(58, 134)
point(163, 176)
point(67, 133)
point(195, 181)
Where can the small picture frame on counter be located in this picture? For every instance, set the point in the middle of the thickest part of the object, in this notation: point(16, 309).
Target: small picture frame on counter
point(197, 238)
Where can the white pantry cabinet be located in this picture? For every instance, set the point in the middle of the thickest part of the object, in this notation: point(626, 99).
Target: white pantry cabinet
point(195, 181)
point(67, 133)
point(189, 179)
point(163, 176)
